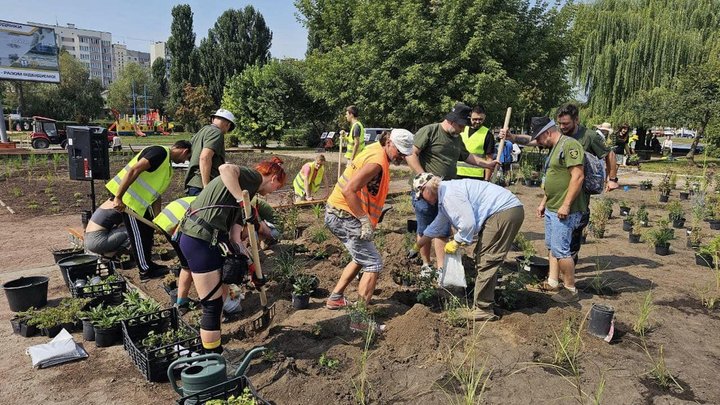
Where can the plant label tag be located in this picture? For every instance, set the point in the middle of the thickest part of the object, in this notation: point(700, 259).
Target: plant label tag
point(611, 332)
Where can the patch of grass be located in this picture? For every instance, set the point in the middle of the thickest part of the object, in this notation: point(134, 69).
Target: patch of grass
point(16, 192)
point(682, 165)
point(48, 190)
point(380, 241)
point(55, 210)
point(361, 384)
point(567, 346)
point(33, 205)
point(642, 323)
point(318, 210)
point(470, 372)
point(286, 267)
point(512, 287)
point(319, 234)
point(403, 205)
point(270, 356)
point(660, 372)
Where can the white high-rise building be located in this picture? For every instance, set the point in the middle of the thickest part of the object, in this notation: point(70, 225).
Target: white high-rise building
point(93, 48)
point(157, 50)
point(122, 56)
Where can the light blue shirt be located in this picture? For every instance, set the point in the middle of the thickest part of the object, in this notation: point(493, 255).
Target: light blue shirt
point(466, 204)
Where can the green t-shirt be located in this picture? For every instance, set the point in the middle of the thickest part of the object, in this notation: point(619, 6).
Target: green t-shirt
point(440, 151)
point(265, 211)
point(216, 193)
point(592, 142)
point(567, 153)
point(209, 137)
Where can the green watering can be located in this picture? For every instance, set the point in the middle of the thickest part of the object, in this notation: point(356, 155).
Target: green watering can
point(206, 371)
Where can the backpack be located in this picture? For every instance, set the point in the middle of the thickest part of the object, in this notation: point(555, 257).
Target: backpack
point(594, 168)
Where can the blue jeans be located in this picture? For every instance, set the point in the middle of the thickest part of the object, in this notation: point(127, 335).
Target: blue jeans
point(425, 213)
point(193, 191)
point(558, 233)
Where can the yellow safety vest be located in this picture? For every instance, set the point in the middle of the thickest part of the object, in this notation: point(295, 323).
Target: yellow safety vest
point(316, 178)
point(146, 188)
point(350, 141)
point(169, 218)
point(476, 145)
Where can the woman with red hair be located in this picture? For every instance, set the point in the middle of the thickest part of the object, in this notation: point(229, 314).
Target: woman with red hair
point(216, 216)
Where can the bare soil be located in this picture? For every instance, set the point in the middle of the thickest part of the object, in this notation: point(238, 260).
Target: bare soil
point(413, 360)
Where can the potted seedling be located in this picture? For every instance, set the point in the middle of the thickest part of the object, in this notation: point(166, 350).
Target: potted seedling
point(633, 237)
point(526, 174)
point(624, 209)
point(642, 217)
point(660, 238)
point(707, 255)
point(20, 323)
point(302, 288)
point(664, 188)
point(126, 262)
point(694, 236)
point(646, 185)
point(685, 194)
point(107, 327)
point(535, 176)
point(605, 205)
point(633, 160)
point(628, 223)
point(676, 214)
point(530, 263)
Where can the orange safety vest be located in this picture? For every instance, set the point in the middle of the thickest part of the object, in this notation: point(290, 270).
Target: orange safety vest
point(372, 204)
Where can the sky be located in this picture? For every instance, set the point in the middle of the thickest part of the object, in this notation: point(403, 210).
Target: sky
point(138, 24)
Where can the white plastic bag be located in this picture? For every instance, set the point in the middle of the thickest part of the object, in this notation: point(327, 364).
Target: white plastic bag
point(453, 274)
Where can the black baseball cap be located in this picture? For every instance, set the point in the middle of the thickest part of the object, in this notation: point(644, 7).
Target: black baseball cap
point(538, 125)
point(460, 114)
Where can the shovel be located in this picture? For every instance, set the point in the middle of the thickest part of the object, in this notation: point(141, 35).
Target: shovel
point(268, 312)
point(497, 171)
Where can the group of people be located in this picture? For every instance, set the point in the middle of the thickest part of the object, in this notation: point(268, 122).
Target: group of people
point(454, 204)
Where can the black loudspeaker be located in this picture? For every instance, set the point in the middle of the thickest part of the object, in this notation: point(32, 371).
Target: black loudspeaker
point(88, 156)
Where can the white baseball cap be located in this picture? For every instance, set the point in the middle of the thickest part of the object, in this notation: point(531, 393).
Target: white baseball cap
point(403, 140)
point(225, 114)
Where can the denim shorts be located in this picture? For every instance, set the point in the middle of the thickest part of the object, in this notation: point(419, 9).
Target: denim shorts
point(425, 214)
point(558, 233)
point(363, 252)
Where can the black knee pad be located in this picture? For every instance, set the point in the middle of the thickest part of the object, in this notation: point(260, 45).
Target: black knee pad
point(212, 314)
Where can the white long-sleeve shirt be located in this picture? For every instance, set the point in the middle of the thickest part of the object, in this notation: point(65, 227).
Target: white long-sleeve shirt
point(467, 204)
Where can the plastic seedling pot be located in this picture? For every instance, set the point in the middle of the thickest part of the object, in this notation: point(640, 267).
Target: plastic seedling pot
point(601, 322)
point(662, 250)
point(300, 301)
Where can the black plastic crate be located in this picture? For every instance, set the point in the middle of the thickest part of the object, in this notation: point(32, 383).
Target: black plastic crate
point(110, 293)
point(234, 386)
point(153, 364)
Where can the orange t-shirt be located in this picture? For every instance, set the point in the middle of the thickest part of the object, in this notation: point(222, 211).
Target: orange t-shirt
point(372, 194)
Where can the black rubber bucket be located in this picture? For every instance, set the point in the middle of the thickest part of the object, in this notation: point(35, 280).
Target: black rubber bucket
point(26, 292)
point(64, 253)
point(600, 323)
point(79, 263)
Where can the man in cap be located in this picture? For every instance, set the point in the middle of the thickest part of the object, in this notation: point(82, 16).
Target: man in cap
point(354, 209)
point(437, 150)
point(208, 151)
point(604, 130)
point(563, 205)
point(208, 155)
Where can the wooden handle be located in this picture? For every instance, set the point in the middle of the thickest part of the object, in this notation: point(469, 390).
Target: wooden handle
point(253, 245)
point(506, 126)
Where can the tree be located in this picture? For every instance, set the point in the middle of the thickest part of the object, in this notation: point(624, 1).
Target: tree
point(160, 74)
point(239, 38)
point(269, 100)
point(195, 108)
point(134, 78)
point(77, 97)
point(627, 46)
point(698, 96)
point(181, 45)
point(406, 62)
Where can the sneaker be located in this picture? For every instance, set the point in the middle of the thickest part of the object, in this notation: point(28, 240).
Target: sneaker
point(543, 287)
point(339, 303)
point(364, 326)
point(426, 270)
point(565, 296)
point(479, 315)
point(153, 272)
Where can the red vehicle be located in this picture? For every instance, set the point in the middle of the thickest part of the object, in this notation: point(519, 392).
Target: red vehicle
point(45, 133)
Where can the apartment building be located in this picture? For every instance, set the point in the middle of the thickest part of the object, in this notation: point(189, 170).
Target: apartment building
point(93, 48)
point(122, 56)
point(159, 50)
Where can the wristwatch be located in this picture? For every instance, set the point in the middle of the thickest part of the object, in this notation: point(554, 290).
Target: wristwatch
point(614, 179)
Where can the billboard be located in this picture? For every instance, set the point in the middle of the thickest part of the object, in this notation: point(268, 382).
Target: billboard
point(28, 53)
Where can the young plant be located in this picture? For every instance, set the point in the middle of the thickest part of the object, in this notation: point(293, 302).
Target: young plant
point(598, 221)
point(660, 372)
point(513, 285)
point(660, 236)
point(319, 234)
point(286, 266)
point(317, 210)
point(642, 216)
point(303, 285)
point(452, 309)
point(675, 211)
point(328, 363)
point(646, 183)
point(665, 186)
point(641, 324)
point(361, 384)
point(470, 370)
